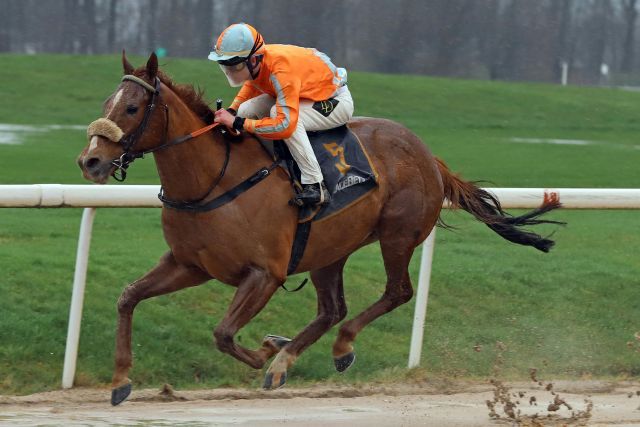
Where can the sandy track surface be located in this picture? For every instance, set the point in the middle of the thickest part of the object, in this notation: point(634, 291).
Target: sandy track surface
point(453, 404)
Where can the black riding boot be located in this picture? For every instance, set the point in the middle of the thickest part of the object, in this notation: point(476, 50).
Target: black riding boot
point(314, 194)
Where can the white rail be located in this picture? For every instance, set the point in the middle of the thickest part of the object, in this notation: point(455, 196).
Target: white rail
point(79, 196)
point(94, 196)
point(97, 196)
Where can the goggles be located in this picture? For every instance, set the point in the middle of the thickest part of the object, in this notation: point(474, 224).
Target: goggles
point(235, 67)
point(232, 61)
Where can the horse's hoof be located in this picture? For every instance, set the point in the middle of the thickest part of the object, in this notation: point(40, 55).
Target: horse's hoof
point(277, 340)
point(118, 395)
point(272, 382)
point(343, 363)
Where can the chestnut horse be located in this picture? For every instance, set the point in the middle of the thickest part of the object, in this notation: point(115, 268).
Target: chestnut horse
point(246, 243)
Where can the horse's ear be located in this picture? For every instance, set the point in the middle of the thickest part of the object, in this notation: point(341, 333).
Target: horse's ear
point(126, 65)
point(152, 66)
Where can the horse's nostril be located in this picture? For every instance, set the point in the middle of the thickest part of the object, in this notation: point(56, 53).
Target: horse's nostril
point(92, 163)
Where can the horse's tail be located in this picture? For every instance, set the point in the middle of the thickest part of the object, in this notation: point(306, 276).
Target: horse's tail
point(486, 208)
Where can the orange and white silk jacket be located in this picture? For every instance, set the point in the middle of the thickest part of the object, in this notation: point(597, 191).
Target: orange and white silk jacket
point(289, 73)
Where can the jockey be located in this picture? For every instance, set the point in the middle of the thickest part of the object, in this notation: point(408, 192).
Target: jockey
point(286, 90)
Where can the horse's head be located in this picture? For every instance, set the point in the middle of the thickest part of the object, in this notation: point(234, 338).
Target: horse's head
point(133, 121)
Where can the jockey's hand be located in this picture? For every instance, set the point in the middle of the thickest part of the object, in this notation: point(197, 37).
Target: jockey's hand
point(224, 117)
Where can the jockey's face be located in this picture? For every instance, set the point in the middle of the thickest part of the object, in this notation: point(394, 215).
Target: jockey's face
point(236, 74)
point(237, 71)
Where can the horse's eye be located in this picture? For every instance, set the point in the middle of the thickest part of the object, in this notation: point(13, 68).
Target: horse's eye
point(132, 109)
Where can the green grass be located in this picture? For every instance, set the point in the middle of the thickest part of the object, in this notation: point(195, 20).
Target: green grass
point(570, 313)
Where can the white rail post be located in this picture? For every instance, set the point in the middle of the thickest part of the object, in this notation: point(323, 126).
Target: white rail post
point(565, 73)
point(417, 332)
point(77, 298)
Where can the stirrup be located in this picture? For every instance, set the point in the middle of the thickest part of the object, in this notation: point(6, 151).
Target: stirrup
point(313, 195)
point(325, 195)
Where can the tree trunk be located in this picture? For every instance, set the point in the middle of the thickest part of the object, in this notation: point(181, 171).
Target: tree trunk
point(509, 43)
point(204, 23)
point(562, 12)
point(600, 40)
point(628, 48)
point(150, 19)
point(6, 27)
point(111, 22)
point(450, 38)
point(87, 27)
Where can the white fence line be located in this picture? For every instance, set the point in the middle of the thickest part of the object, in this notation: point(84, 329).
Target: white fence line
point(79, 196)
point(94, 196)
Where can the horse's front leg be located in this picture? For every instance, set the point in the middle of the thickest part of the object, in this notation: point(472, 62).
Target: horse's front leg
point(252, 295)
point(168, 276)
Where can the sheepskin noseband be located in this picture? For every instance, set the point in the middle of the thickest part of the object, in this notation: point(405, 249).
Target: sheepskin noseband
point(106, 128)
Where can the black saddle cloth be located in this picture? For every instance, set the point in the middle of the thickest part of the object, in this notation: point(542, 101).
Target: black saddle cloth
point(345, 165)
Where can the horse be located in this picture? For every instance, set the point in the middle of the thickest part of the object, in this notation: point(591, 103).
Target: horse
point(246, 241)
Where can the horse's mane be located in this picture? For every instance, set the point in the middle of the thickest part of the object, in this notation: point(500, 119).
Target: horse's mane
point(192, 97)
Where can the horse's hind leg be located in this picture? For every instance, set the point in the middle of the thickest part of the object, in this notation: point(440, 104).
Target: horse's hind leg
point(396, 252)
point(331, 310)
point(168, 276)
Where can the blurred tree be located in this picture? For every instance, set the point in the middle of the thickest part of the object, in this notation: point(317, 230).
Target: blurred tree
point(630, 15)
point(562, 49)
point(111, 23)
point(87, 26)
point(453, 19)
point(5, 27)
point(598, 28)
point(151, 23)
point(68, 41)
point(202, 41)
point(498, 39)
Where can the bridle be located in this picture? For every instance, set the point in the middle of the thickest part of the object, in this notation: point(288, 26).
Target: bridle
point(128, 143)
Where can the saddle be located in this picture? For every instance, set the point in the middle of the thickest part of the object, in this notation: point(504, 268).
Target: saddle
point(347, 171)
point(345, 166)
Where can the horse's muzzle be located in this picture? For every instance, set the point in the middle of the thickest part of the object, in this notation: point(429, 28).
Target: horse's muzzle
point(95, 169)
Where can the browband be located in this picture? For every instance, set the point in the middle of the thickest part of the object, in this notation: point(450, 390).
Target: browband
point(139, 81)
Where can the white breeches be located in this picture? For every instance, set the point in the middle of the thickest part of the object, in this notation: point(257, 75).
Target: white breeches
point(308, 119)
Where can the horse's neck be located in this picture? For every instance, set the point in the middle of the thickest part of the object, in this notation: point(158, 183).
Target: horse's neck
point(188, 170)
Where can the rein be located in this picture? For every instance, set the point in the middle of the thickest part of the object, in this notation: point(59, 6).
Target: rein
point(128, 143)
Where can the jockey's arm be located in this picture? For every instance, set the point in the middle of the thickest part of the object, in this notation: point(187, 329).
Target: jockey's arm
point(247, 92)
point(287, 90)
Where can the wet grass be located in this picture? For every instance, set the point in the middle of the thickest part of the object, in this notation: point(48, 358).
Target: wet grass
point(572, 312)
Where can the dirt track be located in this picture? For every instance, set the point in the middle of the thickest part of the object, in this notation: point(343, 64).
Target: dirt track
point(459, 404)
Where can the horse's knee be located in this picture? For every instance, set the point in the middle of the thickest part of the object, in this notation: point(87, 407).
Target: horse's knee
point(223, 339)
point(325, 321)
point(399, 295)
point(127, 301)
point(405, 295)
point(338, 314)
